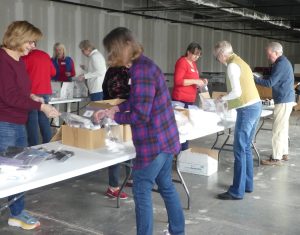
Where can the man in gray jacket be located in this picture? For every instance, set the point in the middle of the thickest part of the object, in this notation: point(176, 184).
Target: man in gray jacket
point(281, 80)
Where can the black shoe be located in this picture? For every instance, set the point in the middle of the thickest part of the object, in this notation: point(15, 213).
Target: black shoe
point(227, 196)
point(248, 191)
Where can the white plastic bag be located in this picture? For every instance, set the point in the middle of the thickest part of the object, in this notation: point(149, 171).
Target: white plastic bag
point(67, 90)
point(80, 89)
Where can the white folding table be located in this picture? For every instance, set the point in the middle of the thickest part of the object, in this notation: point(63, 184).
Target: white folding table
point(53, 171)
point(86, 161)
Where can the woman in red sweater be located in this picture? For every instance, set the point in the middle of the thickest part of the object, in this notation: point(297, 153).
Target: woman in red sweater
point(187, 79)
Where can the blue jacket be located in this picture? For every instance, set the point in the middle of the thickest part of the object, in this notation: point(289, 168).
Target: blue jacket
point(281, 80)
point(68, 61)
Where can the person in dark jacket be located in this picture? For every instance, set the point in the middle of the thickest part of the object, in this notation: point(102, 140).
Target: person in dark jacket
point(282, 81)
point(116, 84)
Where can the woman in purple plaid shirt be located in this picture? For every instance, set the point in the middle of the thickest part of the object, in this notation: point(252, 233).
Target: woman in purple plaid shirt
point(154, 131)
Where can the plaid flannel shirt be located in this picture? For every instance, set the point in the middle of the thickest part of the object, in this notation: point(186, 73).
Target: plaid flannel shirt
point(149, 112)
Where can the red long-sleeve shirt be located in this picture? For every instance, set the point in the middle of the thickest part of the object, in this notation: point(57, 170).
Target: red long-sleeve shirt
point(183, 70)
point(40, 70)
point(15, 101)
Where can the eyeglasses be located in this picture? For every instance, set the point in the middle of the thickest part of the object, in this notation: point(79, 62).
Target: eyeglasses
point(197, 55)
point(32, 43)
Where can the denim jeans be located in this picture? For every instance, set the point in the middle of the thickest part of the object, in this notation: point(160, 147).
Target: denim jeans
point(245, 127)
point(160, 172)
point(38, 121)
point(13, 135)
point(96, 96)
point(185, 145)
point(114, 174)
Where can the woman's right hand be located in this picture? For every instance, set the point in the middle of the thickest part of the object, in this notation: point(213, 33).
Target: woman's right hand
point(50, 111)
point(99, 115)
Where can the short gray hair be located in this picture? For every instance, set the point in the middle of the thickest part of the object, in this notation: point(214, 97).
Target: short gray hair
point(275, 47)
point(223, 47)
point(86, 44)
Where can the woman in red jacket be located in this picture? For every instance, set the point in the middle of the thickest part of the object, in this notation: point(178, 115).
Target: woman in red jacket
point(187, 79)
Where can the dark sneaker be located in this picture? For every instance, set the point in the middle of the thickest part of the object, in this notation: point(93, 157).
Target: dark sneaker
point(227, 196)
point(114, 194)
point(271, 162)
point(285, 157)
point(129, 183)
point(24, 220)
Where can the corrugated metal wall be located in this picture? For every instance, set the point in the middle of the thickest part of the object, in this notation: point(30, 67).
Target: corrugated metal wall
point(163, 41)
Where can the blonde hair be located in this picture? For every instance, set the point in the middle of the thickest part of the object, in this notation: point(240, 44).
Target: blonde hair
point(18, 33)
point(223, 47)
point(121, 47)
point(85, 45)
point(59, 45)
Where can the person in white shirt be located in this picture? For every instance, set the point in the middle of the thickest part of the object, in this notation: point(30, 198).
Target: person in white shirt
point(242, 96)
point(95, 71)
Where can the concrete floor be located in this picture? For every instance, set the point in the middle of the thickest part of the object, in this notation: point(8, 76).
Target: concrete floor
point(78, 206)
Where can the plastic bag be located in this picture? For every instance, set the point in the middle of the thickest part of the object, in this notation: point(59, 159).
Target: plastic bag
point(66, 91)
point(207, 104)
point(75, 120)
point(114, 137)
point(14, 156)
point(226, 116)
point(80, 89)
point(183, 124)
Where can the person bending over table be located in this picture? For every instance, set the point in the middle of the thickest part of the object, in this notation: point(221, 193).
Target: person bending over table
point(244, 97)
point(16, 101)
point(186, 78)
point(282, 82)
point(154, 131)
point(116, 84)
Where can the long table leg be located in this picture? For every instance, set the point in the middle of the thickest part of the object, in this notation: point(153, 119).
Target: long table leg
point(224, 144)
point(181, 181)
point(256, 152)
point(124, 182)
point(260, 127)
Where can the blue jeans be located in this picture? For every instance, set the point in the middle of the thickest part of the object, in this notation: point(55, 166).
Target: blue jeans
point(245, 127)
point(160, 172)
point(114, 174)
point(185, 145)
point(96, 96)
point(13, 135)
point(38, 121)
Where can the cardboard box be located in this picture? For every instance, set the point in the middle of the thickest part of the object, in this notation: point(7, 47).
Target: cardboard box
point(264, 92)
point(200, 161)
point(127, 135)
point(217, 94)
point(88, 139)
point(104, 104)
point(185, 112)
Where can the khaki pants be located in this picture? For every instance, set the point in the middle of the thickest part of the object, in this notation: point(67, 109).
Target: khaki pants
point(280, 131)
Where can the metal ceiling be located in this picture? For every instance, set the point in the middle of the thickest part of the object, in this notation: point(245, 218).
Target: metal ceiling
point(273, 19)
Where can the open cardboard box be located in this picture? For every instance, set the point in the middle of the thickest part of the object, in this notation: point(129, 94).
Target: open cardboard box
point(200, 161)
point(264, 92)
point(92, 139)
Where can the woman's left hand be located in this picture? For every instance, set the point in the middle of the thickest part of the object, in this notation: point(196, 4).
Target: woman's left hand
point(37, 98)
